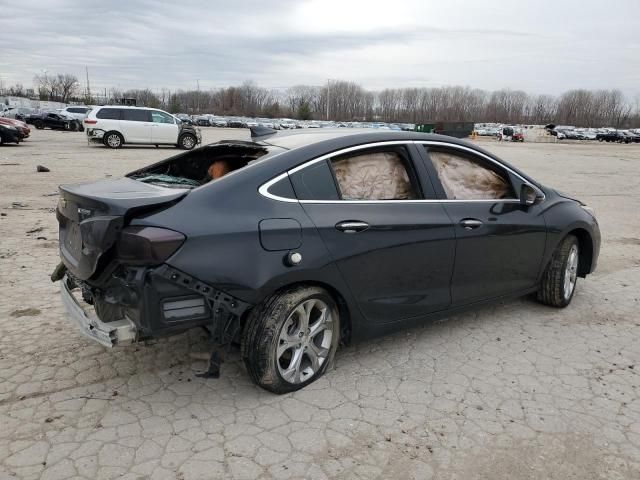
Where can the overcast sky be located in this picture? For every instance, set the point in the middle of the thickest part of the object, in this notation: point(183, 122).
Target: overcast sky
point(541, 46)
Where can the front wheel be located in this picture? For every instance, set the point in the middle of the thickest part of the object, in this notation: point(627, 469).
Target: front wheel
point(559, 280)
point(187, 141)
point(39, 124)
point(290, 339)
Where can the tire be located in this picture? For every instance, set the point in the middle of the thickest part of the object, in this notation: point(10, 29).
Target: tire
point(560, 278)
point(187, 141)
point(279, 351)
point(39, 124)
point(113, 140)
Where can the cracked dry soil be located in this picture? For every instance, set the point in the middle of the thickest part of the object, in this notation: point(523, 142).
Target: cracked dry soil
point(512, 390)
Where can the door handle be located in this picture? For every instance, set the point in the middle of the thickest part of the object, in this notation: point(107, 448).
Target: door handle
point(471, 223)
point(352, 226)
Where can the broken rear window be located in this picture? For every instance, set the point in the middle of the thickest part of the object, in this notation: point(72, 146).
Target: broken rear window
point(202, 165)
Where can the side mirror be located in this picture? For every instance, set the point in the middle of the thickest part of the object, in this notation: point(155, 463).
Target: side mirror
point(530, 194)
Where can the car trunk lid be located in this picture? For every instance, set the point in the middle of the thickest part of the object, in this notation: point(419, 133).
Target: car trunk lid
point(91, 215)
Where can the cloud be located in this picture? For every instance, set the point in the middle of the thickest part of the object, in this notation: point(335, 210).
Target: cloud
point(538, 45)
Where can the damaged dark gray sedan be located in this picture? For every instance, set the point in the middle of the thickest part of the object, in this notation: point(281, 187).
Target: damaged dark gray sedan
point(297, 241)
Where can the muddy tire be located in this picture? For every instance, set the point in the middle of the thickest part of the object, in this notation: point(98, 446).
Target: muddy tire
point(291, 338)
point(187, 141)
point(559, 280)
point(113, 140)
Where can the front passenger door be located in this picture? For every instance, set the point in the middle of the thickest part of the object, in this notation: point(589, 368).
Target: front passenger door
point(499, 242)
point(165, 130)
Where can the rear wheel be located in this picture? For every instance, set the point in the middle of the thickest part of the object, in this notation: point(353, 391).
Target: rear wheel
point(187, 141)
point(560, 278)
point(290, 339)
point(39, 124)
point(113, 140)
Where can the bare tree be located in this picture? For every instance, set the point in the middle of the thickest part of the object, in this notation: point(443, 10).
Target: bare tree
point(67, 86)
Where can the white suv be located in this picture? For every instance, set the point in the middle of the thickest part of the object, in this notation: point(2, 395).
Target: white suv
point(77, 112)
point(116, 125)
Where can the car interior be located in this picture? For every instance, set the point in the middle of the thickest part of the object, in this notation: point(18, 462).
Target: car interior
point(199, 166)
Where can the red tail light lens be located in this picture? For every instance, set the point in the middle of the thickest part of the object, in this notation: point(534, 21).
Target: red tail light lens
point(90, 122)
point(147, 245)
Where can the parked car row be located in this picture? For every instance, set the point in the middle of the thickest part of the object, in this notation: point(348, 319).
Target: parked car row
point(13, 130)
point(209, 120)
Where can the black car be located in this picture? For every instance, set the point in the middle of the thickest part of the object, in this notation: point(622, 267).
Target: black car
point(618, 137)
point(299, 240)
point(9, 134)
point(55, 121)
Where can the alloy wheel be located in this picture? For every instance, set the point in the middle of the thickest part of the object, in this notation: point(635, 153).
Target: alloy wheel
point(305, 341)
point(188, 142)
point(571, 272)
point(113, 140)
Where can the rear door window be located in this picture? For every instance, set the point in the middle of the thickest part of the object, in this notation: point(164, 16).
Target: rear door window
point(135, 115)
point(109, 113)
point(381, 174)
point(374, 174)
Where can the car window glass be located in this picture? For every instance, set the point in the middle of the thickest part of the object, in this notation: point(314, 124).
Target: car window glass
point(135, 115)
point(374, 175)
point(109, 113)
point(161, 117)
point(464, 177)
point(315, 182)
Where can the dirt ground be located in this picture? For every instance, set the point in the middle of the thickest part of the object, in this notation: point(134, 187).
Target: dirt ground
point(510, 391)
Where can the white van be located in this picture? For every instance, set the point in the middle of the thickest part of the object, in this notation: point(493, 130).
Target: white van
point(116, 125)
point(78, 112)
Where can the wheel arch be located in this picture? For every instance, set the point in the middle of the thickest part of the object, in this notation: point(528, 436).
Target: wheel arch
point(113, 130)
point(585, 246)
point(343, 307)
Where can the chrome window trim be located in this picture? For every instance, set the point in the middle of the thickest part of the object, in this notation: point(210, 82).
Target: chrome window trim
point(264, 188)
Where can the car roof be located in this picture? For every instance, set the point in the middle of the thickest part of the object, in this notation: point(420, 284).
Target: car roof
point(291, 139)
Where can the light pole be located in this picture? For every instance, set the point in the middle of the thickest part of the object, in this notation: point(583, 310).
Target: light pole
point(328, 94)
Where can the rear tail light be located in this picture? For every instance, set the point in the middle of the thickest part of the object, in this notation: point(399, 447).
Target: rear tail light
point(147, 245)
point(90, 122)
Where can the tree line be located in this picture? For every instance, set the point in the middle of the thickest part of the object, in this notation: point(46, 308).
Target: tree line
point(340, 100)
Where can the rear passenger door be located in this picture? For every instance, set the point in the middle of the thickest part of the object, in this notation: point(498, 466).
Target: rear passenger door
point(136, 125)
point(499, 241)
point(393, 245)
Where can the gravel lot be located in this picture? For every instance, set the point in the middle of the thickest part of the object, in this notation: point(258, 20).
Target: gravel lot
point(511, 391)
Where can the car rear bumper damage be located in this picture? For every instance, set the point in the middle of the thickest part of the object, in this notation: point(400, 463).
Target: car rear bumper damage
point(95, 134)
point(139, 303)
point(118, 332)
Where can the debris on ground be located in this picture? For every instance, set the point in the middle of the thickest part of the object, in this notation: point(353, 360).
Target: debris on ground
point(35, 230)
point(42, 168)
